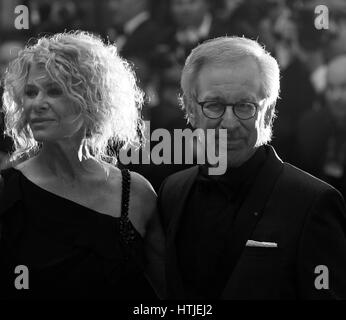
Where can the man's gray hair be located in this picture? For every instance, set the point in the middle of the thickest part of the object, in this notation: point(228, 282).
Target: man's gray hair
point(230, 50)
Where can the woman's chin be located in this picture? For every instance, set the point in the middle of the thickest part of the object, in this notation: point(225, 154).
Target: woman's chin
point(42, 137)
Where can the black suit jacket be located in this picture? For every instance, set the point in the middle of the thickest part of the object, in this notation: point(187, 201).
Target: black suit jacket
point(142, 42)
point(303, 215)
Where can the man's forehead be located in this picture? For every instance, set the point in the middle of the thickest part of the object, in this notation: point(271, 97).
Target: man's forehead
point(245, 64)
point(237, 92)
point(222, 79)
point(182, 2)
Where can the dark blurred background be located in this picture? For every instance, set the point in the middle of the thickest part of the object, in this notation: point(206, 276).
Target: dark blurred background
point(156, 36)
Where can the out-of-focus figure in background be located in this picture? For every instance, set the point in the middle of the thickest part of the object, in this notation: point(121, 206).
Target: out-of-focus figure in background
point(8, 51)
point(322, 132)
point(277, 29)
point(132, 27)
point(192, 22)
point(56, 16)
point(137, 35)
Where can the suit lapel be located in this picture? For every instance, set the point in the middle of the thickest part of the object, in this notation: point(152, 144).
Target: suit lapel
point(251, 211)
point(176, 213)
point(178, 210)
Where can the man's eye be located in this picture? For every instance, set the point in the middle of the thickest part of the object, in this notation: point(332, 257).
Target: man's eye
point(213, 105)
point(245, 106)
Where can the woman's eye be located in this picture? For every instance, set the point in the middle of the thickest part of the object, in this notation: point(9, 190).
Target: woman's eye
point(30, 93)
point(54, 92)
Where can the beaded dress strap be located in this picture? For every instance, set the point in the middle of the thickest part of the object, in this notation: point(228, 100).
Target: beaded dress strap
point(125, 193)
point(126, 229)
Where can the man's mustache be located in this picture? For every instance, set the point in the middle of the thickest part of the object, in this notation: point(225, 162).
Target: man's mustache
point(231, 136)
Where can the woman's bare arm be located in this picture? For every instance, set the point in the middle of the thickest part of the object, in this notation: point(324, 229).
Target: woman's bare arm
point(153, 235)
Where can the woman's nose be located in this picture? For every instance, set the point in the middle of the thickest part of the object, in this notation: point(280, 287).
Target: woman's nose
point(40, 102)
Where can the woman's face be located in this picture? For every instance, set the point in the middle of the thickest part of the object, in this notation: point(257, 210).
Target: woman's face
point(51, 115)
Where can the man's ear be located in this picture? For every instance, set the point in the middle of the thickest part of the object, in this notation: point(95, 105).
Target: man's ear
point(191, 117)
point(269, 115)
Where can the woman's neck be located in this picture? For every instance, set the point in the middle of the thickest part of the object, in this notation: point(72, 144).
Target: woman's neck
point(66, 160)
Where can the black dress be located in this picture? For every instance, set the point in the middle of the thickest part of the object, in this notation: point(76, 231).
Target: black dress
point(70, 251)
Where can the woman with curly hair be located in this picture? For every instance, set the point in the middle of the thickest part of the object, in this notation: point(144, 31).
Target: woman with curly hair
point(82, 227)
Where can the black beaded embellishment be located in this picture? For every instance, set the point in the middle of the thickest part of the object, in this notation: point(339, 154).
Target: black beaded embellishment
point(127, 232)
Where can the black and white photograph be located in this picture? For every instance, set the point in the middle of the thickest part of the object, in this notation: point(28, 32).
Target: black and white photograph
point(172, 154)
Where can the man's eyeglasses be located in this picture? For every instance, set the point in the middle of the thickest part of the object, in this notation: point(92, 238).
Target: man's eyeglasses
point(216, 109)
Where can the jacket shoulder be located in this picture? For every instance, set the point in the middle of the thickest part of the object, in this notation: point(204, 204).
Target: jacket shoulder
point(298, 180)
point(173, 190)
point(180, 177)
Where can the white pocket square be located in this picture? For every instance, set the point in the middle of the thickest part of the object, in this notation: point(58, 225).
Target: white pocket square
point(261, 244)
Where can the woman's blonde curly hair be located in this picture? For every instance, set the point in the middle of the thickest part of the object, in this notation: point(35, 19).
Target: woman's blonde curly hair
point(93, 75)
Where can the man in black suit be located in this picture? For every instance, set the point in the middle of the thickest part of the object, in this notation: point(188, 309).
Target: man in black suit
point(133, 29)
point(264, 229)
point(137, 36)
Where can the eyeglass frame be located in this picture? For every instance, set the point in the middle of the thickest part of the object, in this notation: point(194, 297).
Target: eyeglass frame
point(225, 105)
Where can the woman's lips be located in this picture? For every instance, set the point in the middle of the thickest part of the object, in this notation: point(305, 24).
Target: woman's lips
point(40, 122)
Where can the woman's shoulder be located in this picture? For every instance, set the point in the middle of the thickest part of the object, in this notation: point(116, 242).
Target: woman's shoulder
point(141, 195)
point(142, 190)
point(142, 198)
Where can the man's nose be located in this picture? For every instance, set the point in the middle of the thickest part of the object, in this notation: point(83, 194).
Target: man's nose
point(229, 119)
